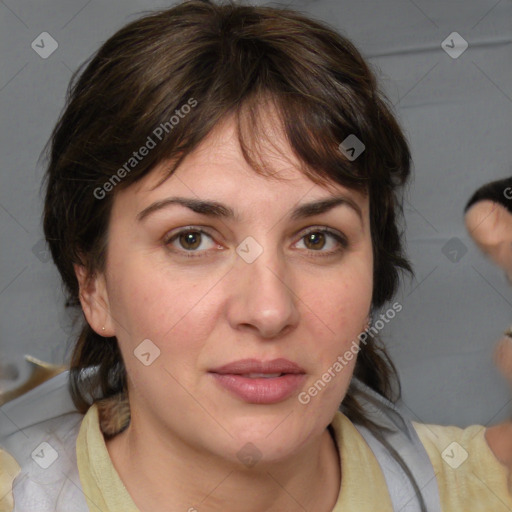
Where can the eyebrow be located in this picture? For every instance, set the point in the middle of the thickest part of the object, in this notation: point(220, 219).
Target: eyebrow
point(218, 210)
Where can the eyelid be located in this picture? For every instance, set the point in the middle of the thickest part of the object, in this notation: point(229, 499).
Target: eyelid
point(339, 236)
point(175, 233)
point(185, 229)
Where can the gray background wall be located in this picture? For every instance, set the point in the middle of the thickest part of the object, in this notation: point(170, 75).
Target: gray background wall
point(456, 113)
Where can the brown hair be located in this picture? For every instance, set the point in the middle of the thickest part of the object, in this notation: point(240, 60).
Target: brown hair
point(229, 60)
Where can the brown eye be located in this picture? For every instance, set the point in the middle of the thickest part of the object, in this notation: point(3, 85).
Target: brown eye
point(316, 240)
point(190, 239)
point(190, 242)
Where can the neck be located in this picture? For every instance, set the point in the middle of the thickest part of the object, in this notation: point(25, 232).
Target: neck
point(158, 471)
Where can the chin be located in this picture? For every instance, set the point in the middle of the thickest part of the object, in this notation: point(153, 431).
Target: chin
point(264, 451)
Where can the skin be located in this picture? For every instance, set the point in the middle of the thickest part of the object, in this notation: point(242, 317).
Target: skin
point(499, 437)
point(185, 432)
point(490, 226)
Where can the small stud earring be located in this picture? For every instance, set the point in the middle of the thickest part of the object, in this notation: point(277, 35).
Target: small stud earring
point(103, 328)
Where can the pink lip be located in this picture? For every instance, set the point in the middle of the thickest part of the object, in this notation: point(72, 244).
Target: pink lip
point(260, 390)
point(255, 366)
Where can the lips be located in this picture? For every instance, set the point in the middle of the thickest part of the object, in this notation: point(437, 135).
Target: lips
point(260, 382)
point(254, 366)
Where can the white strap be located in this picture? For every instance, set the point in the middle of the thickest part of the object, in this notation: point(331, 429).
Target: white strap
point(39, 429)
point(402, 436)
point(57, 487)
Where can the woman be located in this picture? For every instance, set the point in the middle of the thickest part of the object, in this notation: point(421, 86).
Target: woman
point(222, 200)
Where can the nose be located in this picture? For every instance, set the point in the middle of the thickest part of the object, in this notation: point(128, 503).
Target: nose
point(263, 299)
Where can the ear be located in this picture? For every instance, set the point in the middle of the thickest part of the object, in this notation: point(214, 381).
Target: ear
point(95, 302)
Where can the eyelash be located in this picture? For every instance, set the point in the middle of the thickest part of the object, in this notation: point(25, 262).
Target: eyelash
point(342, 241)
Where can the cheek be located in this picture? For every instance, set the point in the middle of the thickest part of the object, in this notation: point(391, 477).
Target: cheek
point(343, 300)
point(338, 316)
point(167, 311)
point(346, 322)
point(152, 301)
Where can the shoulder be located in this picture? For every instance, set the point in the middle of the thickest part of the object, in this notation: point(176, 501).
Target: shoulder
point(38, 441)
point(9, 468)
point(468, 472)
point(437, 438)
point(46, 410)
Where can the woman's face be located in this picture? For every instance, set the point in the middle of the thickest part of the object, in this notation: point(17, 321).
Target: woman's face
point(251, 286)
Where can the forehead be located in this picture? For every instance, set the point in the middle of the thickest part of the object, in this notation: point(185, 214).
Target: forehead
point(218, 170)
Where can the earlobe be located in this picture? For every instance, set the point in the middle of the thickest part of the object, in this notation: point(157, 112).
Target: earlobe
point(94, 300)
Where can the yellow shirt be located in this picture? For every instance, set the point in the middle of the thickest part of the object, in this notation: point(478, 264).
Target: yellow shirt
point(469, 476)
